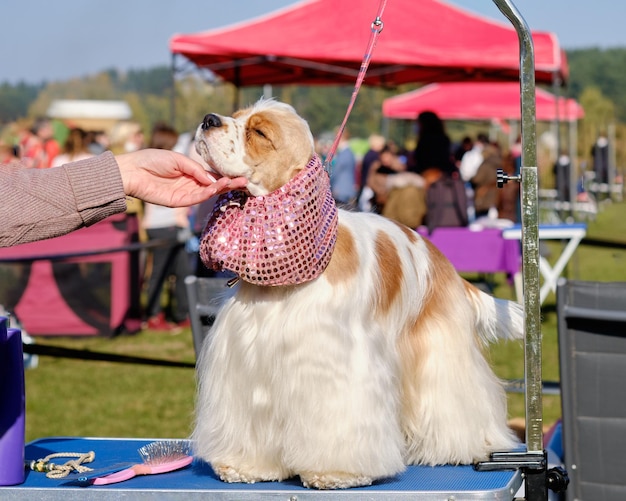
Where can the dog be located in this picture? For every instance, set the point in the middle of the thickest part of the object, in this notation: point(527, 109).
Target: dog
point(371, 362)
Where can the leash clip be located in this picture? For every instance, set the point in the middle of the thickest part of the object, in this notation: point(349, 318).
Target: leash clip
point(377, 25)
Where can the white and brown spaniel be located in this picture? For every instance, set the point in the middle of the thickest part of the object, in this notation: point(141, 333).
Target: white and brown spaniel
point(351, 347)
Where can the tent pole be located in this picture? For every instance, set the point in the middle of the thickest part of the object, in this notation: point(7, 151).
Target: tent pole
point(573, 156)
point(237, 83)
point(530, 231)
point(173, 91)
point(612, 159)
point(560, 180)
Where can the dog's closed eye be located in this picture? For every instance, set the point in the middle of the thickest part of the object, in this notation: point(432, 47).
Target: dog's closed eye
point(260, 127)
point(260, 137)
point(257, 133)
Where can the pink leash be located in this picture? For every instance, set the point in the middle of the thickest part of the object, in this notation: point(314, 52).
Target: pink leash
point(377, 28)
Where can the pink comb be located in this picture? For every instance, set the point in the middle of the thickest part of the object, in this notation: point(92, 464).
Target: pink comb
point(158, 457)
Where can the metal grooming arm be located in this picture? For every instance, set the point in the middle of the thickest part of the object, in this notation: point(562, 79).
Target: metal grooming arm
point(534, 460)
point(530, 230)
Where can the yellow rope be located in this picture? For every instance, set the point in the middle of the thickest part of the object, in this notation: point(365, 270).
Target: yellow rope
point(57, 471)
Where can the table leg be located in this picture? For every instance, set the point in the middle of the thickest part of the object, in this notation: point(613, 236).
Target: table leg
point(552, 274)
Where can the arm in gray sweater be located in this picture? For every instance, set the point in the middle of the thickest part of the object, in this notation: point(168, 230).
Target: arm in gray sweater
point(37, 204)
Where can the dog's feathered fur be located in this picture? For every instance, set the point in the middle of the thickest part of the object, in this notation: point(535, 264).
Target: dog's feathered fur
point(376, 364)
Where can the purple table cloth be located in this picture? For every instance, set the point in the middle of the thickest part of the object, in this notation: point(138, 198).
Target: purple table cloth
point(479, 251)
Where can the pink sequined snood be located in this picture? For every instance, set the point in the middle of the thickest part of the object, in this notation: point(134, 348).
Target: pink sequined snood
point(284, 238)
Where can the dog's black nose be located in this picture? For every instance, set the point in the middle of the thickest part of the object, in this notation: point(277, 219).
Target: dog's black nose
point(211, 120)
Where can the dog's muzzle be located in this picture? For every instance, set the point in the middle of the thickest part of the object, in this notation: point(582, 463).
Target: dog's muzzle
point(211, 120)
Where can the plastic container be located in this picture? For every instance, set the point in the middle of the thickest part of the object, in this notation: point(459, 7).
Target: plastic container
point(12, 405)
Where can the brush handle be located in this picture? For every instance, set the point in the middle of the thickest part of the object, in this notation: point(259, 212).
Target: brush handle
point(88, 477)
point(143, 469)
point(119, 476)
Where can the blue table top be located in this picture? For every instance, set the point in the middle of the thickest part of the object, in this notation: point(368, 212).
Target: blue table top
point(198, 480)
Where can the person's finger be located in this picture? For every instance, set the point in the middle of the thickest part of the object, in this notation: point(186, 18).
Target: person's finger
point(190, 167)
point(226, 184)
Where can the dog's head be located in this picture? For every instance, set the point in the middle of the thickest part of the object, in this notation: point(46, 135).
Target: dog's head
point(268, 143)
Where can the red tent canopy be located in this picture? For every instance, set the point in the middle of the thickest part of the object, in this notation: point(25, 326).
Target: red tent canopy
point(323, 42)
point(476, 101)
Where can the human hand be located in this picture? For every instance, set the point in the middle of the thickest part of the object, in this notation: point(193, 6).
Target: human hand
point(164, 177)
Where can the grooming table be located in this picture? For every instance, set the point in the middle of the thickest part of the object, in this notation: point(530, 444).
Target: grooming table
point(198, 481)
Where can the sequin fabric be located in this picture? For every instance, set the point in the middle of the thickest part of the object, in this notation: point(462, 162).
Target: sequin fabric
point(284, 238)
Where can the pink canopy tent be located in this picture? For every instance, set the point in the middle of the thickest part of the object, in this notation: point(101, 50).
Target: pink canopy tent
point(323, 42)
point(478, 101)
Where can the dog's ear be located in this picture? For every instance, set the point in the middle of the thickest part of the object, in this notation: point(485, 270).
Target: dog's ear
point(300, 138)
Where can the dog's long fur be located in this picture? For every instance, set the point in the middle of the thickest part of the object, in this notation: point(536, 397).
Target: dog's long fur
point(376, 364)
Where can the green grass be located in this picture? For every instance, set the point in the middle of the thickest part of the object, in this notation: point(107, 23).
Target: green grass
point(106, 399)
point(588, 263)
point(109, 399)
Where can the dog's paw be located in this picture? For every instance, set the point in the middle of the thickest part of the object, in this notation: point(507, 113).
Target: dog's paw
point(234, 475)
point(334, 480)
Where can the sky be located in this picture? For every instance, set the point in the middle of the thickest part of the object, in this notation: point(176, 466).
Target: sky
point(46, 41)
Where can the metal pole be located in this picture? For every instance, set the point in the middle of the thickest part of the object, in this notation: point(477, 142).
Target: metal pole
point(556, 124)
point(573, 157)
point(173, 93)
point(236, 103)
point(612, 159)
point(530, 231)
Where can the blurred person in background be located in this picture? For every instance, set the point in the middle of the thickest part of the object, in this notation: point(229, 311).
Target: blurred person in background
point(398, 193)
point(376, 144)
point(170, 263)
point(600, 156)
point(562, 171)
point(464, 146)
point(473, 158)
point(433, 154)
point(343, 173)
point(484, 182)
point(38, 146)
point(509, 203)
point(98, 142)
point(74, 149)
point(127, 137)
point(8, 153)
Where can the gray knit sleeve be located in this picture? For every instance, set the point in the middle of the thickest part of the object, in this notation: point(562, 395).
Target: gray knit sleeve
point(97, 187)
point(37, 204)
